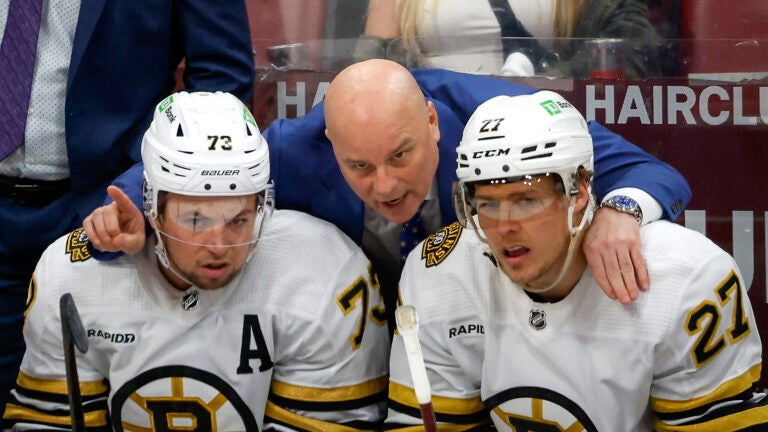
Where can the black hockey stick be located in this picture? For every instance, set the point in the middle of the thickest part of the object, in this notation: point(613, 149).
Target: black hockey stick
point(73, 335)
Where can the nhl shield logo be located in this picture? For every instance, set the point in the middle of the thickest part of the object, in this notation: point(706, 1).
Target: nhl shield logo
point(537, 318)
point(190, 301)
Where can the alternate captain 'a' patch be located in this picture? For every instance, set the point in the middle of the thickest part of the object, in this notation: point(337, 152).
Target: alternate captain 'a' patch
point(77, 246)
point(439, 244)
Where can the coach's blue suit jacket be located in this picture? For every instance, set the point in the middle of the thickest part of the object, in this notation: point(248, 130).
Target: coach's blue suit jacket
point(308, 178)
point(125, 54)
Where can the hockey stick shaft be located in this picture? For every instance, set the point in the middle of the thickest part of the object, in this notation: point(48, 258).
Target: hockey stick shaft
point(408, 326)
point(73, 335)
point(428, 417)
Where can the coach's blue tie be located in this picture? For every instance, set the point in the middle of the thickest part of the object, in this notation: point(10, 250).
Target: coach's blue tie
point(411, 234)
point(17, 64)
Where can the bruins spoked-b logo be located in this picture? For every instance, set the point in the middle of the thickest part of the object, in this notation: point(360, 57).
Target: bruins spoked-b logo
point(180, 398)
point(77, 246)
point(536, 409)
point(438, 245)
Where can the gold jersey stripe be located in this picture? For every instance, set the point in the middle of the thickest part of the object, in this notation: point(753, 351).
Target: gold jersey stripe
point(726, 390)
point(735, 421)
point(23, 414)
point(303, 423)
point(445, 405)
point(89, 388)
point(443, 428)
point(336, 394)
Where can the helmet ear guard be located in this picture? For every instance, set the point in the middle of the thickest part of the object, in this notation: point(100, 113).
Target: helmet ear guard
point(465, 213)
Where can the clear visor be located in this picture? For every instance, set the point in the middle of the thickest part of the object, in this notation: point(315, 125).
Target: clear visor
point(212, 221)
point(514, 199)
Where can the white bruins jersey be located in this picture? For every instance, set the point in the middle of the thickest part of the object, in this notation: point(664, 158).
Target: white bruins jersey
point(297, 341)
point(447, 279)
point(683, 357)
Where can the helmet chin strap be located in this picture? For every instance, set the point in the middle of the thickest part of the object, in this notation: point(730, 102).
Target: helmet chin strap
point(162, 253)
point(575, 235)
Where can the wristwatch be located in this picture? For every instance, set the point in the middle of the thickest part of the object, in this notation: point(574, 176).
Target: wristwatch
point(624, 204)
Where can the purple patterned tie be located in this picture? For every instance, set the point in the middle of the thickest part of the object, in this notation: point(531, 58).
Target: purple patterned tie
point(411, 234)
point(17, 63)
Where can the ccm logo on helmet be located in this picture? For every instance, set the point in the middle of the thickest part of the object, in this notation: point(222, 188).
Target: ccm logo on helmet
point(220, 172)
point(490, 153)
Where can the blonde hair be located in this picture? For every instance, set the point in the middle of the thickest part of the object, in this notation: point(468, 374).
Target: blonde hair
point(410, 15)
point(567, 15)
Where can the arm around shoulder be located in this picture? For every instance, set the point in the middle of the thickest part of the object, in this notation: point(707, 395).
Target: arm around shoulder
point(619, 163)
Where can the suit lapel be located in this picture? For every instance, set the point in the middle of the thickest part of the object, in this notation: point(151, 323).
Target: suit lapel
point(446, 175)
point(451, 129)
point(90, 12)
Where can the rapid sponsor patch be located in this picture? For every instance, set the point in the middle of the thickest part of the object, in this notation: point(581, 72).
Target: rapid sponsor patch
point(77, 248)
point(439, 244)
point(466, 329)
point(112, 336)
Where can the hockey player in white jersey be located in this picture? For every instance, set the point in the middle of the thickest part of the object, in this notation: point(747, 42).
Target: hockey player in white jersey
point(513, 324)
point(235, 318)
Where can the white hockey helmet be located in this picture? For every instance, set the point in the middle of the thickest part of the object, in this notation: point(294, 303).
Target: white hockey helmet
point(203, 144)
point(512, 136)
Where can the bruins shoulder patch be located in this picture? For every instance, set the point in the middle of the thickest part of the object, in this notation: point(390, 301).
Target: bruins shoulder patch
point(77, 246)
point(439, 244)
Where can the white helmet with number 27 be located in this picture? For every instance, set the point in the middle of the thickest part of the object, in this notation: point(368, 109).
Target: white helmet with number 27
point(513, 136)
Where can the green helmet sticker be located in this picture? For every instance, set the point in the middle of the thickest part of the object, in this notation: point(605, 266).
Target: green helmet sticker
point(550, 107)
point(248, 117)
point(165, 103)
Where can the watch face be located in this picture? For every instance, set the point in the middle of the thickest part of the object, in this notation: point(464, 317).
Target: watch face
point(624, 201)
point(627, 205)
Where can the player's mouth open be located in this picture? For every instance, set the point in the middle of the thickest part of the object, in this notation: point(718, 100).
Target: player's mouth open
point(515, 251)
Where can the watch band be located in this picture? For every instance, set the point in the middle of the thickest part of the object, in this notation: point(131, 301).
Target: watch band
point(624, 204)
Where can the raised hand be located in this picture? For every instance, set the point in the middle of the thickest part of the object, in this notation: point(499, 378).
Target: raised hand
point(117, 226)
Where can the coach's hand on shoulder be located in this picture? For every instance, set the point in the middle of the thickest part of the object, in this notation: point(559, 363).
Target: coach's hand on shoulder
point(118, 226)
point(612, 247)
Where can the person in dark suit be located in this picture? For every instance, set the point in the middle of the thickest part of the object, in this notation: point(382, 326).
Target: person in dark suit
point(101, 66)
point(381, 148)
